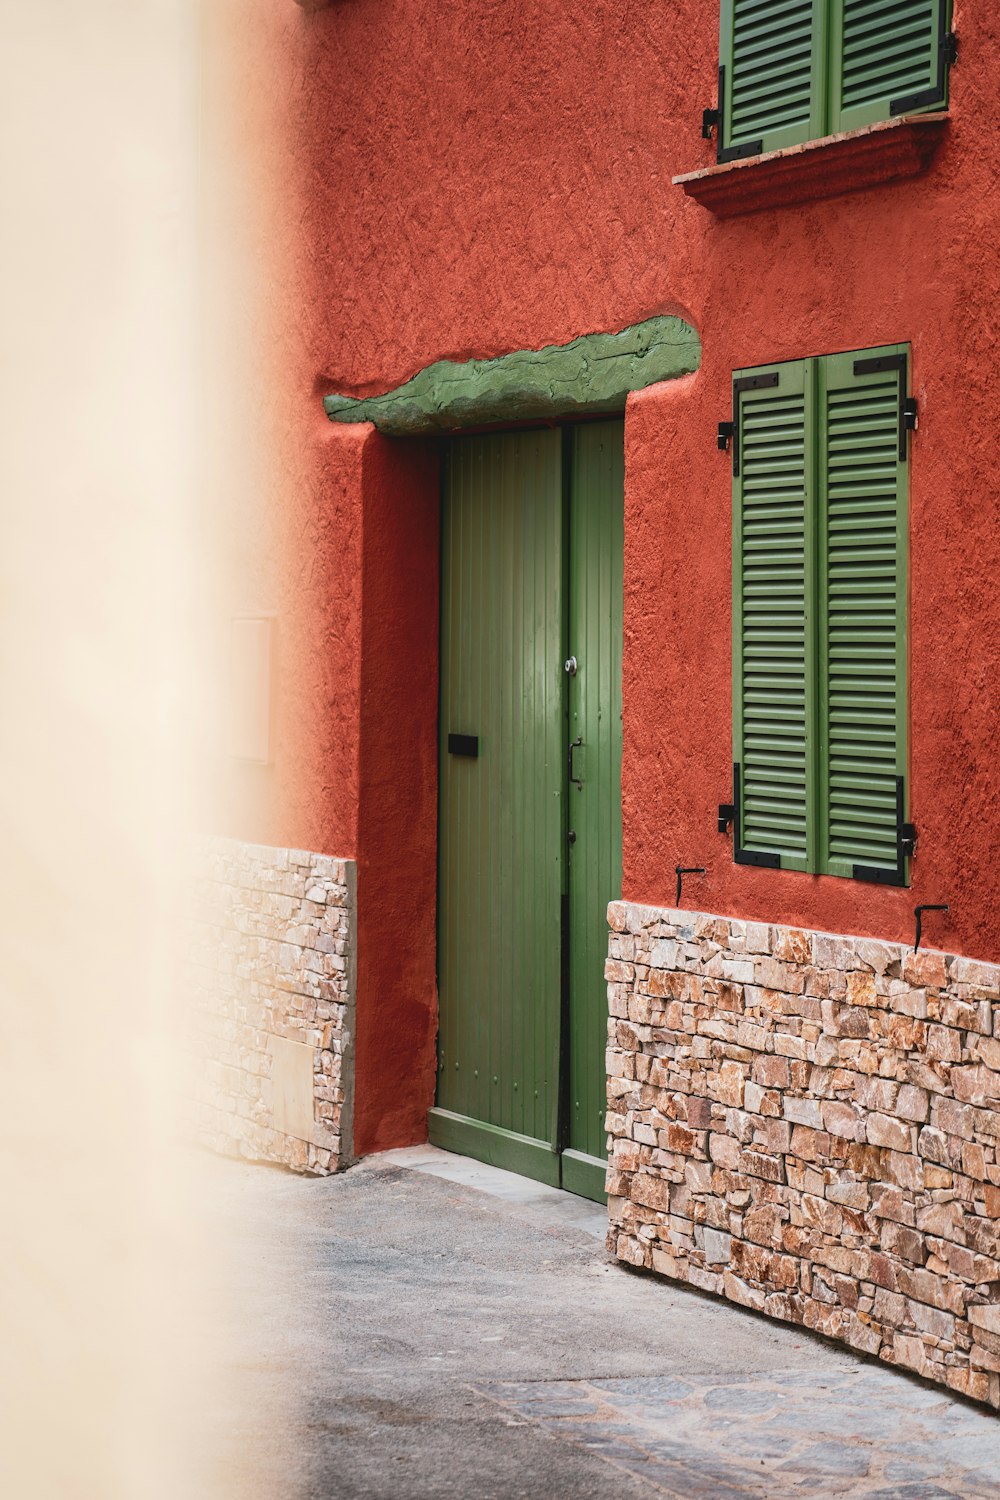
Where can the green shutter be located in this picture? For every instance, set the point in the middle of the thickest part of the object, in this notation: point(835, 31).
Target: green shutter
point(772, 74)
point(862, 609)
point(772, 613)
point(887, 57)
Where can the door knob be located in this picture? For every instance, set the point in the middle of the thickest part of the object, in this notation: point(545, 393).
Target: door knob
point(570, 666)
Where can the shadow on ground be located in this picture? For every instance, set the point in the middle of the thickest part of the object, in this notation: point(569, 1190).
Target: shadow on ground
point(396, 1332)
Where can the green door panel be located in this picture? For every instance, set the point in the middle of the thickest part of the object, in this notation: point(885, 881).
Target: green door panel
point(532, 542)
point(501, 845)
point(593, 808)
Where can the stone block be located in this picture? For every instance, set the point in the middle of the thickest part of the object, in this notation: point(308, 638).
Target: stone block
point(884, 1130)
point(803, 1112)
point(717, 1247)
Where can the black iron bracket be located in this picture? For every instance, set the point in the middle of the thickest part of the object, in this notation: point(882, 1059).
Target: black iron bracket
point(918, 912)
point(730, 812)
point(906, 846)
point(947, 54)
point(680, 871)
point(726, 431)
point(745, 148)
point(740, 384)
point(709, 122)
point(878, 364)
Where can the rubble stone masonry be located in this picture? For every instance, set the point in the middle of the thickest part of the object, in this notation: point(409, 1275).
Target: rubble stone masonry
point(808, 1125)
point(271, 976)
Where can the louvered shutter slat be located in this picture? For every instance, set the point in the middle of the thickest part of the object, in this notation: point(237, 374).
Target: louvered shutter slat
point(862, 600)
point(772, 702)
point(885, 58)
point(772, 74)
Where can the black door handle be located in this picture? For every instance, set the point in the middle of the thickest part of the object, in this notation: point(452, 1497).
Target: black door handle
point(575, 781)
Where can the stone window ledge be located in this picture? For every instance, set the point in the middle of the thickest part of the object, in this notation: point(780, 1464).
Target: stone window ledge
point(886, 152)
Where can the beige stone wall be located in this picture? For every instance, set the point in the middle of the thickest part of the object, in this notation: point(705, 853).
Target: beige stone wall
point(809, 1125)
point(271, 977)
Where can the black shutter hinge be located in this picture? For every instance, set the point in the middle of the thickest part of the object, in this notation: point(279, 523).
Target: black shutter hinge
point(909, 413)
point(727, 814)
point(949, 48)
point(906, 845)
point(709, 122)
point(727, 432)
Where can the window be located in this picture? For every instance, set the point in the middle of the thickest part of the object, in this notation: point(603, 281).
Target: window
point(819, 615)
point(796, 70)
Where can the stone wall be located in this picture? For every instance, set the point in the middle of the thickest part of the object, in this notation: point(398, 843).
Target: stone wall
point(270, 971)
point(809, 1125)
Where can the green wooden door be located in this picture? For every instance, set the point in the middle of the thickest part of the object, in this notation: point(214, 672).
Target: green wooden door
point(594, 801)
point(531, 529)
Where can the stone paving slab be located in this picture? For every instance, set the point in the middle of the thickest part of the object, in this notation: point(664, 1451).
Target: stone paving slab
point(861, 1432)
point(425, 1328)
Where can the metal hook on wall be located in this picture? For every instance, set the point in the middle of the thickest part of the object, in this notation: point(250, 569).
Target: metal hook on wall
point(680, 871)
point(918, 912)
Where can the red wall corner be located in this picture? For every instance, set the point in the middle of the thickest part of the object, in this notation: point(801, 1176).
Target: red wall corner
point(395, 1060)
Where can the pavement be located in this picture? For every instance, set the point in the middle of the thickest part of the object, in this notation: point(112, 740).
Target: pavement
point(424, 1326)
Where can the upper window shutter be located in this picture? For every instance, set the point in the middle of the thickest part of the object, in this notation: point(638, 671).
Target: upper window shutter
point(772, 75)
point(887, 57)
point(772, 610)
point(862, 551)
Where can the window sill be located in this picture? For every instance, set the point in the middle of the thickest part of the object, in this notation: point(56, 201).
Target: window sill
point(886, 152)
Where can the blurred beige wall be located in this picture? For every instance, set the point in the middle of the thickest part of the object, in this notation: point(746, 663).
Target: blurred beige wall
point(98, 144)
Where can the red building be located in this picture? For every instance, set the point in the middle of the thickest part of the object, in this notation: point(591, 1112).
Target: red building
point(616, 497)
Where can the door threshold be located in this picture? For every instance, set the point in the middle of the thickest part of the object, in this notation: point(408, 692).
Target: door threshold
point(574, 1172)
point(528, 1198)
point(584, 1175)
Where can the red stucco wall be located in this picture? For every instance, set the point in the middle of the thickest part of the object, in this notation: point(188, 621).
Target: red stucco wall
point(469, 179)
point(397, 836)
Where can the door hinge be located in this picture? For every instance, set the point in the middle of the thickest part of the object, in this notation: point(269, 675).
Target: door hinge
point(709, 122)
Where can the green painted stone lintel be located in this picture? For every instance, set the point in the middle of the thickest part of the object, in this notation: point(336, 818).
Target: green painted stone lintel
point(591, 375)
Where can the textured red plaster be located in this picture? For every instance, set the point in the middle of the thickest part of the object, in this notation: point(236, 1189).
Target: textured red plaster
point(395, 1064)
point(448, 181)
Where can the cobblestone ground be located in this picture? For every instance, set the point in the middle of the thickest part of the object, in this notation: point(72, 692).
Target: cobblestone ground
point(861, 1432)
point(424, 1328)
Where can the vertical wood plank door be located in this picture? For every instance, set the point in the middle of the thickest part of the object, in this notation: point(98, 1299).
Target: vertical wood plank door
point(501, 829)
point(593, 807)
point(532, 541)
